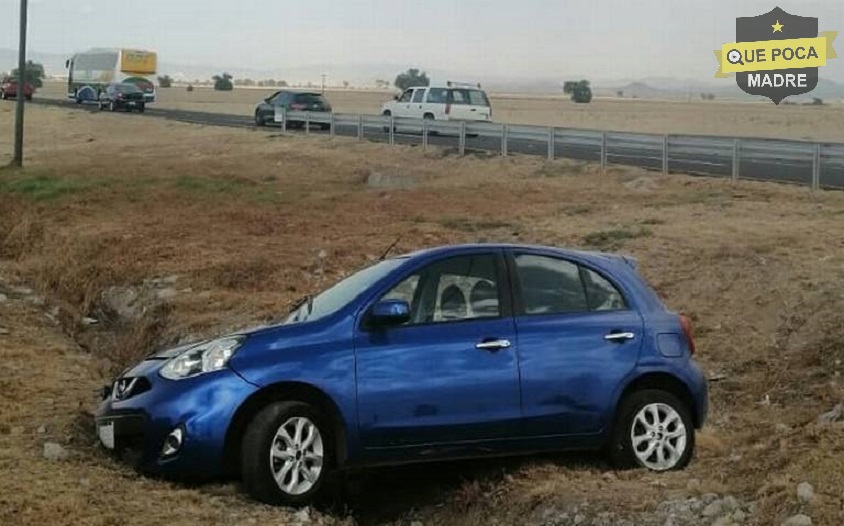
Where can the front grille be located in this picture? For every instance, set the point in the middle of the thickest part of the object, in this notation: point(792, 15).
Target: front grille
point(127, 387)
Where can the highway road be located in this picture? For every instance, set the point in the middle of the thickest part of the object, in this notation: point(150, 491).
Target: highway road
point(761, 159)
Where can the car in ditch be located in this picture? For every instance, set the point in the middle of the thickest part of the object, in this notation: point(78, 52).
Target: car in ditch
point(292, 101)
point(122, 96)
point(450, 352)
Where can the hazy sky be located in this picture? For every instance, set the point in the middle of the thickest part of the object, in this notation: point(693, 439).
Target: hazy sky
point(602, 39)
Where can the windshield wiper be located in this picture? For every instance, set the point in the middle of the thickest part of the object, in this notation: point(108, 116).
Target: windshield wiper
point(307, 298)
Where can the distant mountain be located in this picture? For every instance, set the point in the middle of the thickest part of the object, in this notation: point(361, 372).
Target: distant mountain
point(365, 74)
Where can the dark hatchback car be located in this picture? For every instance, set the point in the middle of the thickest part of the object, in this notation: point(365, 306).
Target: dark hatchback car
point(122, 96)
point(451, 352)
point(287, 100)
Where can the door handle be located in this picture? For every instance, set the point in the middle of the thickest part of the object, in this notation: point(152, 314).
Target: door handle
point(493, 345)
point(619, 336)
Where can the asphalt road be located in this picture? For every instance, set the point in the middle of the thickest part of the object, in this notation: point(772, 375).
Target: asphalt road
point(761, 159)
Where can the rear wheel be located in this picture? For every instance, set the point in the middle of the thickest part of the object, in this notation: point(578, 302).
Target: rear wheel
point(286, 454)
point(654, 430)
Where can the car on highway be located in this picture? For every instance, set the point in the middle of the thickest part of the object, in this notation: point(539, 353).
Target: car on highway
point(9, 89)
point(450, 352)
point(287, 100)
point(122, 96)
point(449, 101)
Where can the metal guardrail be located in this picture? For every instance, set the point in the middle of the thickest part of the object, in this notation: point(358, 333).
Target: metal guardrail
point(814, 164)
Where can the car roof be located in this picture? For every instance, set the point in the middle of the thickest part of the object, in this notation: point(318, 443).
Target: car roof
point(472, 247)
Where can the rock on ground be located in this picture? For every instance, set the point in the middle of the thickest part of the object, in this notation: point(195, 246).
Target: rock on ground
point(805, 492)
point(798, 520)
point(53, 451)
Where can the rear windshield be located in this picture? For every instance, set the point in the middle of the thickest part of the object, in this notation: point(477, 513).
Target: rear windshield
point(126, 88)
point(473, 97)
point(308, 98)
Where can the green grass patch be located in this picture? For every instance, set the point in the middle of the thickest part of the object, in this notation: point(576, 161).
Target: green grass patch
point(44, 186)
point(615, 238)
point(467, 225)
point(576, 210)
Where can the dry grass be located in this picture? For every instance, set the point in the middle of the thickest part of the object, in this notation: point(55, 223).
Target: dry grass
point(249, 222)
point(744, 119)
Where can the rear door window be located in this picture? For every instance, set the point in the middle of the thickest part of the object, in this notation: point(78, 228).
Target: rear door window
point(438, 95)
point(550, 285)
point(309, 98)
point(419, 96)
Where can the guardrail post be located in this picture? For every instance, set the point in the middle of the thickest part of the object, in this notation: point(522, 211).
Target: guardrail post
point(665, 154)
point(505, 131)
point(603, 151)
point(424, 134)
point(736, 159)
point(284, 119)
point(331, 125)
point(551, 142)
point(461, 145)
point(816, 168)
point(307, 122)
point(392, 130)
point(360, 127)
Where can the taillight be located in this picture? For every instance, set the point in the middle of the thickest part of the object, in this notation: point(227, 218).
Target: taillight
point(447, 109)
point(686, 323)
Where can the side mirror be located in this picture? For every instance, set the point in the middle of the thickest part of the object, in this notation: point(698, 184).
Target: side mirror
point(389, 313)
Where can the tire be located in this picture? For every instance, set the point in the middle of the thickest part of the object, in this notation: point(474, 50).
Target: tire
point(29, 98)
point(142, 108)
point(676, 431)
point(259, 466)
point(259, 121)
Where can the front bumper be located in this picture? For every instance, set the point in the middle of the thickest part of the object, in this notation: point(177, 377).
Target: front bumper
point(203, 406)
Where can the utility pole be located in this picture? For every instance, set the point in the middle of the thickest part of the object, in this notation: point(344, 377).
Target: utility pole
point(17, 160)
point(323, 83)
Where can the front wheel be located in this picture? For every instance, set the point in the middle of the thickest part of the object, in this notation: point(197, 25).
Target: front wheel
point(654, 430)
point(286, 454)
point(259, 120)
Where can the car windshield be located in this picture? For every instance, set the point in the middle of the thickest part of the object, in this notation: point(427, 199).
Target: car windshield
point(126, 88)
point(341, 294)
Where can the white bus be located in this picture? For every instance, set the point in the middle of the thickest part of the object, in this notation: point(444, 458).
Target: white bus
point(90, 72)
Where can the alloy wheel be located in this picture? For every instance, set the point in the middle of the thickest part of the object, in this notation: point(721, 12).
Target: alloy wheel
point(297, 456)
point(658, 436)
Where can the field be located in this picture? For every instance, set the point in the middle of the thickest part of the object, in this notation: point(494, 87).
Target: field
point(223, 228)
point(758, 119)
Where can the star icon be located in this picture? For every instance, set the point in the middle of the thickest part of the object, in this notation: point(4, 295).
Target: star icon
point(777, 27)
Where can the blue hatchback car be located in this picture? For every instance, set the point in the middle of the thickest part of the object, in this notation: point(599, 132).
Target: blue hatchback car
point(451, 352)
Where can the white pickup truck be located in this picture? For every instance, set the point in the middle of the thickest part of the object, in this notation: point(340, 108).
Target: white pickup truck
point(452, 101)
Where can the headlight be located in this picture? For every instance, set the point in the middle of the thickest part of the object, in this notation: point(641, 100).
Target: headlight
point(204, 358)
